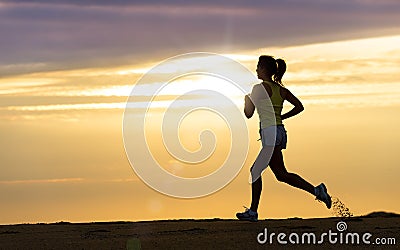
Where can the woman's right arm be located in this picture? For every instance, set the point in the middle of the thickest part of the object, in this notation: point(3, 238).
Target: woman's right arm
point(248, 107)
point(298, 106)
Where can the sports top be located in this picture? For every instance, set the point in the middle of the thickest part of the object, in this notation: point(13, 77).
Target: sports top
point(269, 116)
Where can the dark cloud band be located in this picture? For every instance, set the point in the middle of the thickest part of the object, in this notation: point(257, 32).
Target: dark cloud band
point(75, 34)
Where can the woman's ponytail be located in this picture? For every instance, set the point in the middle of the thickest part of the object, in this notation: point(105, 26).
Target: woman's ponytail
point(281, 69)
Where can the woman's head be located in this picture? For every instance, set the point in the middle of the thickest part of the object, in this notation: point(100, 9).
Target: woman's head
point(268, 67)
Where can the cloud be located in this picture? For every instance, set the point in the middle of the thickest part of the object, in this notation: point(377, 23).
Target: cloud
point(42, 181)
point(316, 72)
point(65, 180)
point(51, 35)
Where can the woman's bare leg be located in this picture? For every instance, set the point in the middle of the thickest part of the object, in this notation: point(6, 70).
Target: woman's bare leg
point(256, 188)
point(278, 168)
point(259, 165)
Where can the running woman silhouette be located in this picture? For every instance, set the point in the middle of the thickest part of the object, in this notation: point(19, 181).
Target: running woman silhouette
point(273, 133)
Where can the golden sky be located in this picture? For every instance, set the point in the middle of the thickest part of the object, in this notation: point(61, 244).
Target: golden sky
point(63, 154)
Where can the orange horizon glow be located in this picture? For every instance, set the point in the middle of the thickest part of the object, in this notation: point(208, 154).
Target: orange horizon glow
point(65, 157)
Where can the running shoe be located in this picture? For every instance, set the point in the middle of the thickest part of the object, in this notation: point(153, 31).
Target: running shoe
point(321, 194)
point(248, 215)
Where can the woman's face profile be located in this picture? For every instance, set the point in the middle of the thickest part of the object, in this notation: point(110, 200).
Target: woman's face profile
point(260, 72)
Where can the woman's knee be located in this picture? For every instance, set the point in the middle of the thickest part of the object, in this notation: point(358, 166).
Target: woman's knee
point(255, 177)
point(282, 176)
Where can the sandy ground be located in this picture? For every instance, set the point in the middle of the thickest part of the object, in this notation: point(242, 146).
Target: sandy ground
point(203, 234)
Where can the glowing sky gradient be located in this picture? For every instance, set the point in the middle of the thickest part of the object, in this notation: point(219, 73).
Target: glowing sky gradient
point(67, 68)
